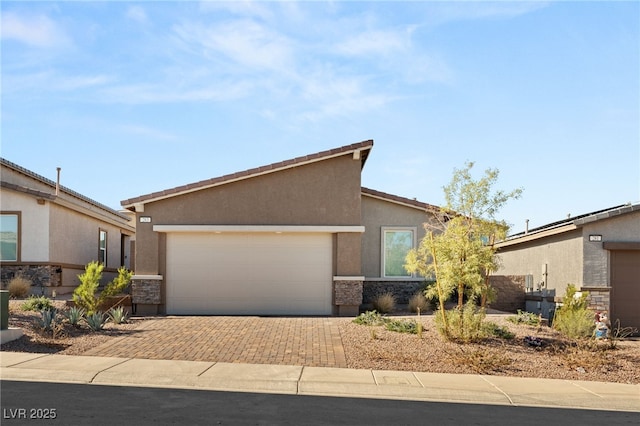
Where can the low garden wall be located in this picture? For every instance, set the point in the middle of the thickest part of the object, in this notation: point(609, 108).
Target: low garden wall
point(510, 291)
point(402, 290)
point(41, 276)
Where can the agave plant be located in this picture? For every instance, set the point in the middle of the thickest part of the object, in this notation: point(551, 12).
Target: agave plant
point(96, 321)
point(117, 315)
point(47, 321)
point(74, 315)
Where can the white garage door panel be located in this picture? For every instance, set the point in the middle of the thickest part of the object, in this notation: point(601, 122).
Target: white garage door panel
point(249, 274)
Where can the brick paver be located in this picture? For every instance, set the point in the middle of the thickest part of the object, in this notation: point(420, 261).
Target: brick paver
point(307, 341)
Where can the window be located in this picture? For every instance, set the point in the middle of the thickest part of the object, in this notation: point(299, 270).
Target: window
point(102, 248)
point(396, 243)
point(9, 231)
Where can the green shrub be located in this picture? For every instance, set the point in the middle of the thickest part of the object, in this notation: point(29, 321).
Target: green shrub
point(18, 287)
point(493, 329)
point(96, 320)
point(418, 300)
point(384, 303)
point(369, 318)
point(528, 318)
point(86, 294)
point(117, 315)
point(37, 304)
point(74, 315)
point(574, 324)
point(373, 318)
point(573, 318)
point(465, 325)
point(402, 326)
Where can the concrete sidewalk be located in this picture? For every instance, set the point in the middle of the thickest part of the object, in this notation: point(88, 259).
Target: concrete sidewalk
point(298, 380)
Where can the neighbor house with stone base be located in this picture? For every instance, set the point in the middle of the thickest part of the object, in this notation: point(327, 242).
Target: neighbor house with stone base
point(48, 233)
point(598, 252)
point(299, 237)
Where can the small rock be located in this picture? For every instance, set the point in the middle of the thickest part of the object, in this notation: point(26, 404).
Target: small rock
point(581, 370)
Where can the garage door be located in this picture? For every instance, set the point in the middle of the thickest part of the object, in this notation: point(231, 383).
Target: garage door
point(249, 273)
point(625, 287)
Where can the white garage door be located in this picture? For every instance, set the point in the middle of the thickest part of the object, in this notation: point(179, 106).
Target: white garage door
point(249, 273)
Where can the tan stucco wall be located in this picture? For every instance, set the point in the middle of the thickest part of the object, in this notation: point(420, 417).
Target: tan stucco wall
point(377, 213)
point(322, 193)
point(562, 253)
point(34, 218)
point(74, 238)
point(348, 257)
point(625, 228)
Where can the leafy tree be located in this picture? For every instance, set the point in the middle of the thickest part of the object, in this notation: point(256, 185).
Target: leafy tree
point(86, 294)
point(460, 251)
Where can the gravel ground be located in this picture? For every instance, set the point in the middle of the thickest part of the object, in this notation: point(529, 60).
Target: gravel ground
point(558, 358)
point(376, 348)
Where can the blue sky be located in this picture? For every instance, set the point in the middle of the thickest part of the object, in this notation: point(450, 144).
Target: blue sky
point(130, 98)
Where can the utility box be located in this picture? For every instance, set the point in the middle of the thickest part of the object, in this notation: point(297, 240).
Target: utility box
point(4, 309)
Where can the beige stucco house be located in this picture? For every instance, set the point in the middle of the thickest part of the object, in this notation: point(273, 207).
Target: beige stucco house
point(598, 252)
point(299, 237)
point(48, 233)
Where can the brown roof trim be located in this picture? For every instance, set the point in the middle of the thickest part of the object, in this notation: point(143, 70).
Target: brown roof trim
point(568, 224)
point(364, 148)
point(401, 200)
point(25, 190)
point(52, 184)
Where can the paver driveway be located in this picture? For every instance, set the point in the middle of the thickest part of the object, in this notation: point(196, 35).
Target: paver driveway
point(307, 341)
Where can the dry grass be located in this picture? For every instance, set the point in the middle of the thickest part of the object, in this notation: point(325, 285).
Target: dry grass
point(19, 287)
point(384, 303)
point(418, 301)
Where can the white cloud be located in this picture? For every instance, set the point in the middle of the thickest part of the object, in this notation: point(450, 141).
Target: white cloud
point(137, 13)
point(445, 12)
point(244, 42)
point(238, 7)
point(373, 43)
point(418, 68)
point(166, 92)
point(80, 82)
point(48, 81)
point(36, 31)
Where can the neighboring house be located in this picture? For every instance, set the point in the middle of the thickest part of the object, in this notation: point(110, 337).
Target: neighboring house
point(297, 237)
point(48, 233)
point(598, 252)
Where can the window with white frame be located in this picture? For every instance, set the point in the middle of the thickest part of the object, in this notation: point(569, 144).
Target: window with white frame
point(102, 247)
point(9, 232)
point(396, 243)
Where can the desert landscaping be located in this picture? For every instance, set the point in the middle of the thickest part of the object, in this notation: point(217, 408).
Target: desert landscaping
point(547, 355)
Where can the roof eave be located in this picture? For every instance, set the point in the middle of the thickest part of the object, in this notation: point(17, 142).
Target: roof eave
point(536, 235)
point(360, 151)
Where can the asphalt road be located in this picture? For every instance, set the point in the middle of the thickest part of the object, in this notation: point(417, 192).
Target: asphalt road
point(32, 403)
